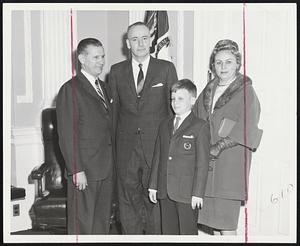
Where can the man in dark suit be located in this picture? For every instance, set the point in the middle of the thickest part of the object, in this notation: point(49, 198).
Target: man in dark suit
point(85, 137)
point(141, 93)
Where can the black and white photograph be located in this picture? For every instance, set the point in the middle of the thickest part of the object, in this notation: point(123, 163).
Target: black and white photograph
point(149, 122)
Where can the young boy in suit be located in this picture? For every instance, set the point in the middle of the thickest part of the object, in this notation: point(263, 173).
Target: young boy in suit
point(180, 163)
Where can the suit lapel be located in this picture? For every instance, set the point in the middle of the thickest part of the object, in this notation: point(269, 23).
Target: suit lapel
point(106, 96)
point(171, 126)
point(150, 73)
point(129, 76)
point(185, 124)
point(86, 85)
point(168, 133)
point(152, 68)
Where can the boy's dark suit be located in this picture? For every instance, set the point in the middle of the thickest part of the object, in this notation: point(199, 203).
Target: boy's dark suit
point(137, 120)
point(85, 138)
point(180, 161)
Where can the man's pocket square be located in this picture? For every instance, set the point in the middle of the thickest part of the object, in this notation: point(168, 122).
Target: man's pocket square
point(190, 136)
point(158, 85)
point(111, 100)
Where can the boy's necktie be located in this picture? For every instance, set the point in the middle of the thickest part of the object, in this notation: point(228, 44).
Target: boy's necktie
point(176, 125)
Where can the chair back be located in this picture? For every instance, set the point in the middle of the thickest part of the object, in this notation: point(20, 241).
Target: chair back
point(54, 179)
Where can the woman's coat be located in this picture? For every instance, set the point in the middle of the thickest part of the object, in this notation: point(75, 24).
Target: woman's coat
point(228, 175)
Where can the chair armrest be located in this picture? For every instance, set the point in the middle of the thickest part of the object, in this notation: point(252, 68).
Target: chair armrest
point(39, 172)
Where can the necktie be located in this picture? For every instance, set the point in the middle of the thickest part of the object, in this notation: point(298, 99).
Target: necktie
point(176, 125)
point(140, 80)
point(100, 92)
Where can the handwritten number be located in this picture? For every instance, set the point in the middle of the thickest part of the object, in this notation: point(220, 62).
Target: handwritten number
point(274, 200)
point(277, 198)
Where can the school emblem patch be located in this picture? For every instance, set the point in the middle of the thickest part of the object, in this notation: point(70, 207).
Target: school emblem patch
point(187, 146)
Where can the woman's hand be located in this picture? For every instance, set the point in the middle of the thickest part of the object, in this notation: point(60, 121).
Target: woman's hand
point(217, 148)
point(214, 151)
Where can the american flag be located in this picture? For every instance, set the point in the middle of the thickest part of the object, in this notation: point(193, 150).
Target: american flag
point(157, 22)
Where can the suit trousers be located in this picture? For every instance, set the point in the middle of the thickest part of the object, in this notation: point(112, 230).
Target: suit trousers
point(138, 214)
point(178, 218)
point(89, 210)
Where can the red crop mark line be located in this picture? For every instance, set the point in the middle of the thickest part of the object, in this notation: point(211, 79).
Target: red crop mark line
point(74, 124)
point(245, 125)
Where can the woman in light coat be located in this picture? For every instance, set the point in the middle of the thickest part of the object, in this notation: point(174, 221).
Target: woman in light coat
point(231, 106)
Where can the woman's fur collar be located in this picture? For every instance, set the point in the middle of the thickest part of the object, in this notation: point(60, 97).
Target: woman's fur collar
point(231, 90)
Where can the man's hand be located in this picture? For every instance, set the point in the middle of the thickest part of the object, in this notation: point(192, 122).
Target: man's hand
point(197, 202)
point(152, 195)
point(80, 181)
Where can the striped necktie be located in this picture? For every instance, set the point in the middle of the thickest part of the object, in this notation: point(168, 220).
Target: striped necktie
point(140, 80)
point(100, 92)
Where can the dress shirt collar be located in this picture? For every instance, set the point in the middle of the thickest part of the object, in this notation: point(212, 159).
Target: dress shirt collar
point(145, 62)
point(136, 69)
point(182, 117)
point(90, 78)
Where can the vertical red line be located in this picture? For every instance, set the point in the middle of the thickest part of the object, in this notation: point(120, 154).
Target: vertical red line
point(72, 57)
point(74, 121)
point(245, 125)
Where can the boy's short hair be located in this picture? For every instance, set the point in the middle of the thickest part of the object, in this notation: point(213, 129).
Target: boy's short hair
point(185, 84)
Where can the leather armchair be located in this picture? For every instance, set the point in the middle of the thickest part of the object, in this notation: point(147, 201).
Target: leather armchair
point(49, 209)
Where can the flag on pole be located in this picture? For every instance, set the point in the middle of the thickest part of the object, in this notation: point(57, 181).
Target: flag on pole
point(157, 22)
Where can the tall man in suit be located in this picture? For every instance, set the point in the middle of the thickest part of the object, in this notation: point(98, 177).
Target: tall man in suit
point(141, 93)
point(85, 137)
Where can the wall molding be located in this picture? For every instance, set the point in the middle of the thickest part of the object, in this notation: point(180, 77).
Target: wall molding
point(56, 52)
point(27, 146)
point(28, 96)
point(197, 57)
point(135, 16)
point(25, 136)
point(180, 44)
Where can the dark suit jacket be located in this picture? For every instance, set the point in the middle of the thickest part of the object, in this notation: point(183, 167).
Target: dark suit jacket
point(180, 161)
point(133, 114)
point(85, 129)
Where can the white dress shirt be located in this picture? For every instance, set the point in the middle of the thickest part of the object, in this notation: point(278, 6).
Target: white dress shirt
point(136, 69)
point(92, 80)
point(182, 117)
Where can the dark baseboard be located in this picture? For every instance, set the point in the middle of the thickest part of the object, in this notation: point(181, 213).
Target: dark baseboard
point(114, 230)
